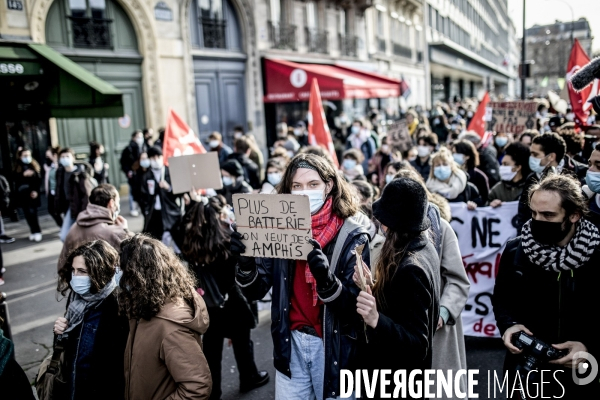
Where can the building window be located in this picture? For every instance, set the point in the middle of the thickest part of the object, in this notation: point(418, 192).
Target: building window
point(91, 28)
point(213, 23)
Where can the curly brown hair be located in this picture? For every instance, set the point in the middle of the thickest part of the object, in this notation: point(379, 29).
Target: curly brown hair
point(100, 259)
point(152, 275)
point(345, 202)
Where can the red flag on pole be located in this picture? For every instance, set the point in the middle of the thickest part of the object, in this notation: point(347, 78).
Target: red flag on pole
point(579, 103)
point(179, 138)
point(318, 131)
point(478, 122)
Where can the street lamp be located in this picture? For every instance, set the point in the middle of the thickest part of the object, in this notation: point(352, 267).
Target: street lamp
point(572, 18)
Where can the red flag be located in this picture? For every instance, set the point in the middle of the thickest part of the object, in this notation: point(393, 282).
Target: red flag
point(478, 122)
point(579, 103)
point(179, 138)
point(318, 131)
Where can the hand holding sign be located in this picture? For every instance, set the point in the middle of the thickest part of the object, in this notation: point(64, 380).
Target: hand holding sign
point(274, 226)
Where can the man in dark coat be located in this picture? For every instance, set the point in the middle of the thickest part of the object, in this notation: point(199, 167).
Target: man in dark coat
point(129, 158)
point(161, 210)
point(546, 278)
point(215, 143)
point(233, 181)
point(241, 153)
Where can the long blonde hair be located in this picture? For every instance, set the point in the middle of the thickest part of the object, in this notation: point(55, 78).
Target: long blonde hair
point(443, 154)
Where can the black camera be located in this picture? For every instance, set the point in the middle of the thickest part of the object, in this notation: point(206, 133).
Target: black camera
point(535, 352)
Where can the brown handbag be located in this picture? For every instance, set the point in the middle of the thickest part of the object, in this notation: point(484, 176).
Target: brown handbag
point(51, 382)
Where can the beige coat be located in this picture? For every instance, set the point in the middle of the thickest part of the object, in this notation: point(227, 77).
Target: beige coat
point(448, 342)
point(164, 357)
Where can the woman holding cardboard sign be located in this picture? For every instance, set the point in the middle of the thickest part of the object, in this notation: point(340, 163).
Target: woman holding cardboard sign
point(314, 326)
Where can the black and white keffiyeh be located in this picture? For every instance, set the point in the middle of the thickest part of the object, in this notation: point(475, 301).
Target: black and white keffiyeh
point(81, 304)
point(555, 258)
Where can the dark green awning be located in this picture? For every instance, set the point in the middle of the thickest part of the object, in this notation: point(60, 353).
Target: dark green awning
point(74, 92)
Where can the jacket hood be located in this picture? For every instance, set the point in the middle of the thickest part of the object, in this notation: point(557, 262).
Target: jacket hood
point(94, 215)
point(194, 317)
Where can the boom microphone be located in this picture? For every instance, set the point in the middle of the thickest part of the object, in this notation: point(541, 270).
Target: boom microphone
point(586, 75)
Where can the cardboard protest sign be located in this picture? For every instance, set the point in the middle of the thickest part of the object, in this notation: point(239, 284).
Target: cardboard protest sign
point(274, 225)
point(511, 116)
point(195, 171)
point(482, 234)
point(398, 136)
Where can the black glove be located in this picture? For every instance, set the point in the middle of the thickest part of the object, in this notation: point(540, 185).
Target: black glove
point(319, 266)
point(246, 264)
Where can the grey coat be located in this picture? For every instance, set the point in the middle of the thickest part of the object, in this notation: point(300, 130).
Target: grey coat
point(448, 342)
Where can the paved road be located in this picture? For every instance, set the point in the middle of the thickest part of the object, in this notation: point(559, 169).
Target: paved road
point(31, 286)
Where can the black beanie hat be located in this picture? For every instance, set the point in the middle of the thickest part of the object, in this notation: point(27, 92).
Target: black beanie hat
point(402, 206)
point(233, 167)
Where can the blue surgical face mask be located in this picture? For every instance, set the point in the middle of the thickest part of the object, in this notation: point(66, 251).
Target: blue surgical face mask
point(459, 158)
point(274, 178)
point(81, 284)
point(349, 164)
point(355, 129)
point(316, 198)
point(26, 160)
point(227, 181)
point(66, 162)
point(592, 179)
point(389, 178)
point(145, 163)
point(501, 141)
point(535, 166)
point(442, 172)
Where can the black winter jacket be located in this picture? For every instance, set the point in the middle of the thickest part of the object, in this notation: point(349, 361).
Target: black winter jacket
point(170, 211)
point(408, 320)
point(341, 323)
point(554, 306)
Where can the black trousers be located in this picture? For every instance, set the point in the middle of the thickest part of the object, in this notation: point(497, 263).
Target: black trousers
point(53, 212)
point(31, 215)
point(154, 226)
point(243, 349)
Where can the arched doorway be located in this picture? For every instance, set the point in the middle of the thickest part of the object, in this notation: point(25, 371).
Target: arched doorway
point(98, 35)
point(219, 64)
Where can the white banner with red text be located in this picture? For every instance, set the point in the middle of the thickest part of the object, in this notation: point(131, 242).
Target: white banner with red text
point(482, 234)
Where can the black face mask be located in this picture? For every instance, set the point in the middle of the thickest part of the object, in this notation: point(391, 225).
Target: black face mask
point(49, 161)
point(545, 232)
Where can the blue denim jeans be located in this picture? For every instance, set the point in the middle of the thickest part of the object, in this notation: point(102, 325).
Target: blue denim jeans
point(67, 223)
point(307, 366)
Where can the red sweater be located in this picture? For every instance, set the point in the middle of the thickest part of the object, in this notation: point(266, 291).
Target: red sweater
point(302, 311)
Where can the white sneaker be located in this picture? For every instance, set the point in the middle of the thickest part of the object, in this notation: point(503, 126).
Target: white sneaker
point(31, 237)
point(134, 213)
point(37, 237)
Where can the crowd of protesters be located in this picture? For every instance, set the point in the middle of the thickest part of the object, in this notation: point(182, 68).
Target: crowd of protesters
point(149, 312)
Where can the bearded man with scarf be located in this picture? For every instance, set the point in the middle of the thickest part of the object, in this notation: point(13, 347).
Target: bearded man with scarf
point(547, 285)
point(314, 324)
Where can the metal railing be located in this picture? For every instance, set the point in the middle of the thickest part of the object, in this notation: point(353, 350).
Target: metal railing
point(91, 32)
point(282, 37)
point(213, 31)
point(400, 50)
point(317, 41)
point(348, 45)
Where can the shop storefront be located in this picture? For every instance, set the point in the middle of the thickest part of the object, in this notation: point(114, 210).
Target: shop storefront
point(287, 89)
point(37, 84)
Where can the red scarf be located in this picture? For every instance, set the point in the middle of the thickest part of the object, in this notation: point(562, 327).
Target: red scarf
point(325, 225)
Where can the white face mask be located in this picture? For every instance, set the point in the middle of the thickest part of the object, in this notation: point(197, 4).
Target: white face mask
point(81, 284)
point(389, 178)
point(139, 141)
point(385, 148)
point(274, 178)
point(570, 117)
point(227, 181)
point(155, 164)
point(506, 173)
point(423, 151)
point(316, 198)
point(213, 144)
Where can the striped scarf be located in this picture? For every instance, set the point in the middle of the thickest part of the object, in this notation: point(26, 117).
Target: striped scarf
point(325, 225)
point(555, 258)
